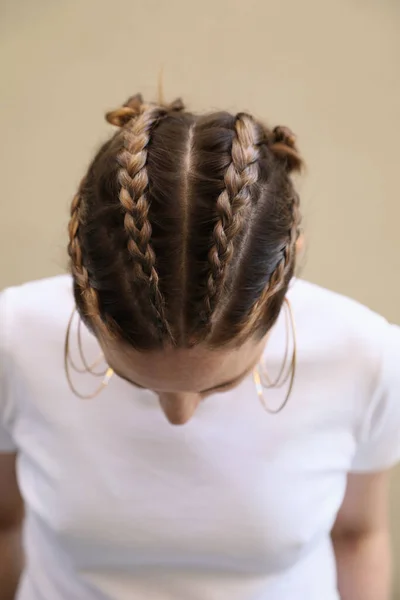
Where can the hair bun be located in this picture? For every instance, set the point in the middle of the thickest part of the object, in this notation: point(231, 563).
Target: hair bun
point(125, 113)
point(134, 106)
point(285, 135)
point(176, 106)
point(284, 148)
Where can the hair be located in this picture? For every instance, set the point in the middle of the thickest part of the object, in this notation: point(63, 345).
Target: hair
point(184, 229)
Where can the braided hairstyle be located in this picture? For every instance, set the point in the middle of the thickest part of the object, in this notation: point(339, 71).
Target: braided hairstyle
point(184, 228)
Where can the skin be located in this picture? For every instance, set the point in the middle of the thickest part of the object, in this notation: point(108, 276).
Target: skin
point(11, 515)
point(183, 378)
point(361, 539)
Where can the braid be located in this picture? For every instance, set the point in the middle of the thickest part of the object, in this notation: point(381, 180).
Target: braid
point(283, 146)
point(232, 205)
point(184, 229)
point(133, 180)
point(279, 278)
point(79, 271)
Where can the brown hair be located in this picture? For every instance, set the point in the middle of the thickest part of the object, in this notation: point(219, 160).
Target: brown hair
point(184, 228)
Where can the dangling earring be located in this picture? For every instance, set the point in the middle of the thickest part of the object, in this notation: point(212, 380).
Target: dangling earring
point(87, 368)
point(260, 375)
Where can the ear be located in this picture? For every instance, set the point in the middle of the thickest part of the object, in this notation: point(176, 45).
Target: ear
point(300, 244)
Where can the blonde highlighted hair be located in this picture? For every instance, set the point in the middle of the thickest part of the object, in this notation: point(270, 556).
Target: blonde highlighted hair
point(184, 228)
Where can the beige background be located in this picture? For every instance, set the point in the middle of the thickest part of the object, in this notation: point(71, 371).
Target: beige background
point(328, 69)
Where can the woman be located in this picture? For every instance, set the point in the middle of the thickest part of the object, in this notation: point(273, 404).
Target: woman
point(183, 240)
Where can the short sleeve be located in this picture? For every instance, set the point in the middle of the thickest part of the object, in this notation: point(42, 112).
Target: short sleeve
point(6, 396)
point(379, 444)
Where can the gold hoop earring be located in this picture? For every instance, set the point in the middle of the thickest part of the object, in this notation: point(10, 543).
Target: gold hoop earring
point(282, 377)
point(108, 373)
point(89, 368)
point(86, 367)
point(284, 373)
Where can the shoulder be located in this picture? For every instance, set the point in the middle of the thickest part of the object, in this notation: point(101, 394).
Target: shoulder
point(33, 320)
point(327, 313)
point(358, 352)
point(349, 336)
point(39, 293)
point(36, 305)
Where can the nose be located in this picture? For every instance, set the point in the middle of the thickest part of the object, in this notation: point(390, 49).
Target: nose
point(179, 407)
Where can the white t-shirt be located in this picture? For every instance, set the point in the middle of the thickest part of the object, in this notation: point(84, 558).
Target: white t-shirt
point(237, 504)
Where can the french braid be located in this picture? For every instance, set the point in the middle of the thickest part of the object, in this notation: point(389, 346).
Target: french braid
point(137, 120)
point(282, 143)
point(79, 271)
point(134, 271)
point(232, 205)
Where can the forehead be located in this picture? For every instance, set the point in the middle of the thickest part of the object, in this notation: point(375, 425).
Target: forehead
point(177, 370)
